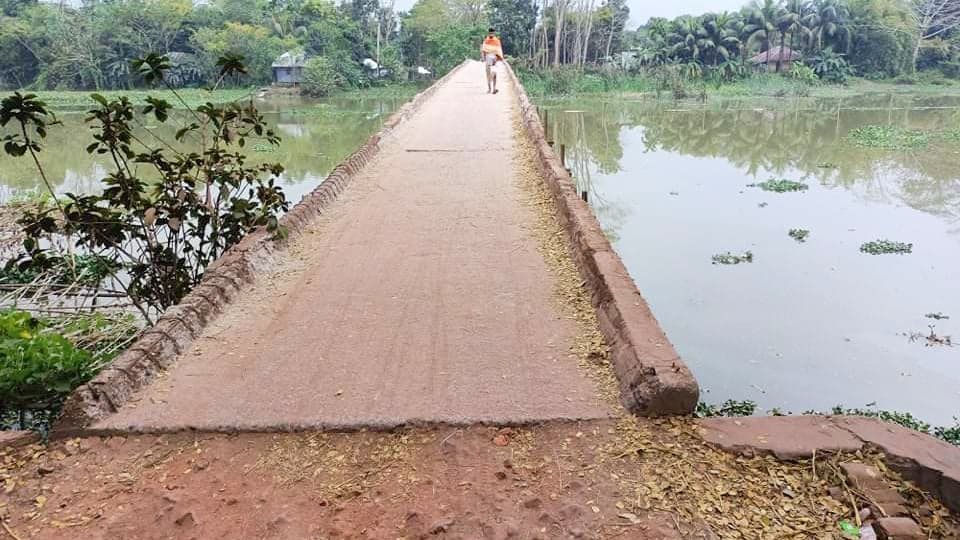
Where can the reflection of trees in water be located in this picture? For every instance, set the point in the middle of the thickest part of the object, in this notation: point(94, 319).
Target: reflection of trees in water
point(314, 139)
point(802, 143)
point(593, 141)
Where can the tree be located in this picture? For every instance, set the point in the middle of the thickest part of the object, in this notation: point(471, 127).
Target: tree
point(719, 38)
point(828, 22)
point(931, 18)
point(515, 22)
point(762, 25)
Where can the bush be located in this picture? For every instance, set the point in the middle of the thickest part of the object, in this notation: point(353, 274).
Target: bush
point(830, 66)
point(153, 238)
point(803, 73)
point(320, 77)
point(37, 367)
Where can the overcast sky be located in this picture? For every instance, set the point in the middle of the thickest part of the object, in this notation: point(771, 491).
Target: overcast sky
point(641, 10)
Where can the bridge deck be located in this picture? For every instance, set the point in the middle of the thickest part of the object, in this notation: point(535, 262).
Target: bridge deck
point(420, 297)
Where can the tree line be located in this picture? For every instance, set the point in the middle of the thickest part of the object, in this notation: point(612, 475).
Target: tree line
point(872, 38)
point(89, 46)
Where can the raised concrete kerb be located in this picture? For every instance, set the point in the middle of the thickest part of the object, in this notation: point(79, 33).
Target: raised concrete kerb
point(654, 381)
point(932, 464)
point(158, 346)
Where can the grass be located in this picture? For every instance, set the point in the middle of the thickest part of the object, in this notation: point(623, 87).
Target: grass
point(886, 247)
point(566, 81)
point(393, 90)
point(779, 185)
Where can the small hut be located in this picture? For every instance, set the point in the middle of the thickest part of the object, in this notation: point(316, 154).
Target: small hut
point(288, 68)
point(769, 60)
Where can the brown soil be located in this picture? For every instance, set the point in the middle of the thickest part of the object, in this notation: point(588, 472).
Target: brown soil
point(597, 479)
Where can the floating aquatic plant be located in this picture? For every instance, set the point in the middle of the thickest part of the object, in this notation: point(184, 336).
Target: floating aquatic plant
point(730, 258)
point(800, 235)
point(780, 185)
point(889, 138)
point(884, 247)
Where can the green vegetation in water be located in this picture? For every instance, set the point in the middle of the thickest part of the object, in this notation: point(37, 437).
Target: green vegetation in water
point(729, 408)
point(938, 316)
point(800, 235)
point(949, 434)
point(889, 138)
point(885, 247)
point(730, 258)
point(780, 185)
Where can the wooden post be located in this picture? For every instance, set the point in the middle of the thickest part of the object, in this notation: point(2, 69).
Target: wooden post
point(583, 195)
point(563, 155)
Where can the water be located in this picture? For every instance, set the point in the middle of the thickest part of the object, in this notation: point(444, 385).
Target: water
point(806, 325)
point(316, 136)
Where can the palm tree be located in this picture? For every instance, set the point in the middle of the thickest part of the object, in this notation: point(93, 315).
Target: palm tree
point(828, 21)
point(685, 38)
point(718, 37)
point(761, 27)
point(790, 22)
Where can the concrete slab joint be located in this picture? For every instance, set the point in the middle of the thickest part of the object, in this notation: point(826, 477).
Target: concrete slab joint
point(157, 347)
point(930, 463)
point(654, 381)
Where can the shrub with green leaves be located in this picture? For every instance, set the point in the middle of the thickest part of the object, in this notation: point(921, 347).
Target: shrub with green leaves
point(37, 366)
point(320, 77)
point(154, 239)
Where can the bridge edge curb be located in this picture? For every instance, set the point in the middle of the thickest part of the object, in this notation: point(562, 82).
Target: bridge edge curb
point(158, 346)
point(654, 381)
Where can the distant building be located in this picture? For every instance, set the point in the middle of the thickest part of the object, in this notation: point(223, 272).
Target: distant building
point(769, 59)
point(288, 68)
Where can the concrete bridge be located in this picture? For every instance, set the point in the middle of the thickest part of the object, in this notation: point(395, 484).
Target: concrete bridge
point(434, 277)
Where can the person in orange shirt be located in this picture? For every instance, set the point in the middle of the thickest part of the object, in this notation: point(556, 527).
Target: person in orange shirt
point(491, 52)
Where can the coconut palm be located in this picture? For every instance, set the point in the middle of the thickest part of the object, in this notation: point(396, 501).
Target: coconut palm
point(790, 23)
point(828, 23)
point(761, 24)
point(718, 38)
point(685, 38)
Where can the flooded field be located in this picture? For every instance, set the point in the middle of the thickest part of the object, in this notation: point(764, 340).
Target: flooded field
point(809, 318)
point(316, 136)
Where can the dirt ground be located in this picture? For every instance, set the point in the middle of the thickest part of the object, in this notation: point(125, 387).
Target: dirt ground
point(596, 479)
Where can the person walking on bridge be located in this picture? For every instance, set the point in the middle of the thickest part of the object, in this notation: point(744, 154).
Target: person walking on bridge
point(491, 52)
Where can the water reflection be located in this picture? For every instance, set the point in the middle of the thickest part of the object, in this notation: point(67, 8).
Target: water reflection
point(316, 136)
point(806, 325)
